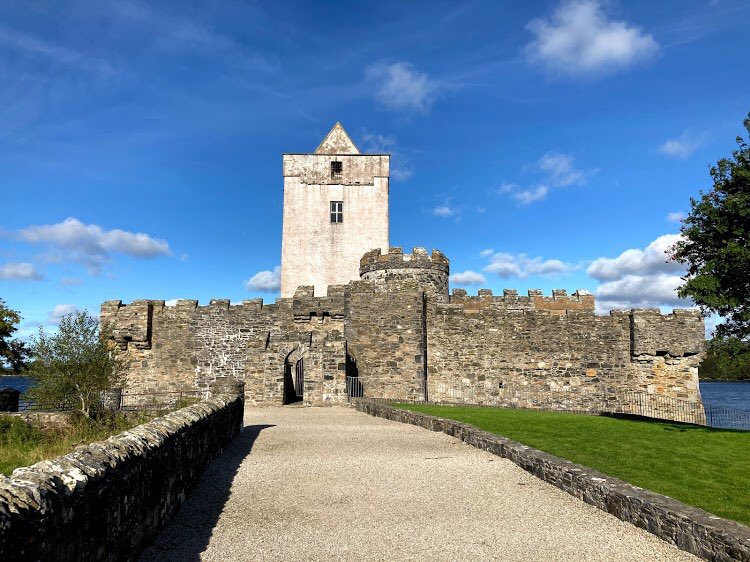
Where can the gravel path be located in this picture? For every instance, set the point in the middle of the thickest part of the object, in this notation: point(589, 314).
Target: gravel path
point(335, 484)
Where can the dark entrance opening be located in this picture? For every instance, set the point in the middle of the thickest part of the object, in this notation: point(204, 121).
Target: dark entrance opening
point(354, 388)
point(294, 381)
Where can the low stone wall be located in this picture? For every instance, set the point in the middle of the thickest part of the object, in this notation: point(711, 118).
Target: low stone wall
point(107, 500)
point(690, 528)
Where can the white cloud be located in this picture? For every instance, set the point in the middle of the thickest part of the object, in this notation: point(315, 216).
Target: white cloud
point(680, 147)
point(445, 210)
point(59, 311)
point(487, 252)
point(638, 291)
point(468, 277)
point(581, 39)
point(265, 281)
point(652, 260)
point(675, 217)
point(556, 170)
point(638, 278)
point(520, 265)
point(528, 196)
point(398, 86)
point(559, 169)
point(90, 244)
point(19, 271)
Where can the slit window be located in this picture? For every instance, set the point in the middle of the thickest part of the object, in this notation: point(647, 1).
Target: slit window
point(337, 211)
point(337, 169)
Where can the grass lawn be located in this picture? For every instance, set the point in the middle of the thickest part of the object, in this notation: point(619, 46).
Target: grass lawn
point(708, 468)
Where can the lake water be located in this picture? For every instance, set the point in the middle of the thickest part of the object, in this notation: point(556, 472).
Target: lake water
point(19, 383)
point(727, 394)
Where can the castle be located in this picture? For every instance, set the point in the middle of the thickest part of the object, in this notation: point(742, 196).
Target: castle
point(355, 310)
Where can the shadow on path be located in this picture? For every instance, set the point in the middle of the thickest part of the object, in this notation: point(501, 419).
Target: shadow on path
point(186, 536)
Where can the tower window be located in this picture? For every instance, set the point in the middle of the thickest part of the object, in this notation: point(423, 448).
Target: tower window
point(336, 169)
point(337, 211)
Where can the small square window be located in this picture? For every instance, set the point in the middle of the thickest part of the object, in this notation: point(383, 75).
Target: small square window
point(336, 170)
point(337, 211)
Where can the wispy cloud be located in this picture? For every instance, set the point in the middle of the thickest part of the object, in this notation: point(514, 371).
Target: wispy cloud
point(60, 310)
point(556, 170)
point(675, 217)
point(57, 53)
point(507, 265)
point(580, 38)
point(19, 271)
point(468, 277)
point(267, 281)
point(401, 168)
point(90, 244)
point(444, 210)
point(682, 146)
point(399, 86)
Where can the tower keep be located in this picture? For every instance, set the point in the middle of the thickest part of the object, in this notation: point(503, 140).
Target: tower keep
point(335, 210)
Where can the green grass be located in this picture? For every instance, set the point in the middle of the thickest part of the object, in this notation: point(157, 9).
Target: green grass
point(707, 468)
point(22, 444)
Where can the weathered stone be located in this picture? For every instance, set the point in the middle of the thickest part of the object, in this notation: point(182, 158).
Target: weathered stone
point(107, 500)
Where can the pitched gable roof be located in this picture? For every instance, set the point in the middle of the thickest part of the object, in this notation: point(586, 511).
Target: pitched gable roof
point(337, 142)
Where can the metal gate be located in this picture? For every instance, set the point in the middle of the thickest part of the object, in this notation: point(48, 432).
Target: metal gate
point(299, 378)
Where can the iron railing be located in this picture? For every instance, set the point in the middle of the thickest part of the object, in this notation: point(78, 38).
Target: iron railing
point(354, 388)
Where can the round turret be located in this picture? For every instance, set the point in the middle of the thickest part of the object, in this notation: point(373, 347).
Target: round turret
point(430, 271)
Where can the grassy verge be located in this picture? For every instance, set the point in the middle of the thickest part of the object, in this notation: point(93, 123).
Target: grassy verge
point(22, 444)
point(708, 468)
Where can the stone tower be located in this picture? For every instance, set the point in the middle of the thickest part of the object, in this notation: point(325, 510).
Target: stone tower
point(335, 210)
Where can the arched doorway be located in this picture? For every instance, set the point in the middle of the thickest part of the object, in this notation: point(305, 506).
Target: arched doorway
point(294, 378)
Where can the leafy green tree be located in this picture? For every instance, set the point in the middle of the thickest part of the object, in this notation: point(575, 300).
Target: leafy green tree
point(716, 244)
point(12, 351)
point(726, 359)
point(76, 364)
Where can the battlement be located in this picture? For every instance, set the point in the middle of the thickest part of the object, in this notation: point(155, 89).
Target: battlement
point(559, 303)
point(396, 259)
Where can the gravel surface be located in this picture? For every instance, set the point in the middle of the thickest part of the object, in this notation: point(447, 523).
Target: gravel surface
point(335, 484)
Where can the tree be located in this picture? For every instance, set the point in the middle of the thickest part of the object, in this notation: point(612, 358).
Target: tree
point(12, 351)
point(727, 359)
point(76, 364)
point(716, 244)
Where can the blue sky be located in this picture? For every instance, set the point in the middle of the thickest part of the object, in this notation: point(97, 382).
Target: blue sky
point(546, 145)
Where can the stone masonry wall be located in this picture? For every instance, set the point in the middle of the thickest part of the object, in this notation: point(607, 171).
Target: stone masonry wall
point(107, 500)
point(187, 346)
point(429, 271)
point(385, 334)
point(405, 335)
point(479, 345)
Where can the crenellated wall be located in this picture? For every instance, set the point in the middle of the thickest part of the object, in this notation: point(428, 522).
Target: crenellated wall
point(486, 344)
point(429, 271)
point(188, 346)
point(406, 336)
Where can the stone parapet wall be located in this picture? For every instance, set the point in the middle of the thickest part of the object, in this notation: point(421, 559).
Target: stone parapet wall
point(107, 500)
point(559, 303)
point(687, 527)
point(429, 271)
point(478, 346)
